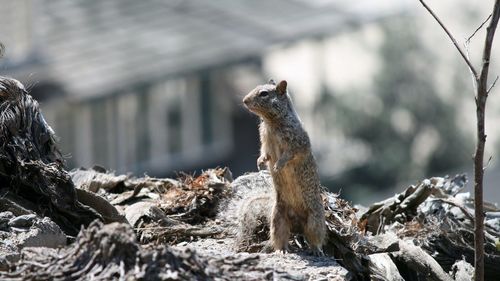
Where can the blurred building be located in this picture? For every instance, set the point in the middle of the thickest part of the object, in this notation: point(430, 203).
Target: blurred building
point(155, 86)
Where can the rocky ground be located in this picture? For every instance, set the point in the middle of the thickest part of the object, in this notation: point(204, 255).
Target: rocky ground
point(292, 266)
point(187, 228)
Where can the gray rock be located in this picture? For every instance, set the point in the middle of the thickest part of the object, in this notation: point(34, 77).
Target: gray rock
point(43, 233)
point(4, 220)
point(6, 216)
point(22, 221)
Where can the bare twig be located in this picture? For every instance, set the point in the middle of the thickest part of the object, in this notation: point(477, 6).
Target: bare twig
point(487, 163)
point(474, 78)
point(477, 29)
point(455, 204)
point(469, 64)
point(492, 85)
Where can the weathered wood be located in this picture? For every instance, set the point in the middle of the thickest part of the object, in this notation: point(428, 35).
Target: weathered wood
point(383, 268)
point(401, 207)
point(31, 166)
point(420, 262)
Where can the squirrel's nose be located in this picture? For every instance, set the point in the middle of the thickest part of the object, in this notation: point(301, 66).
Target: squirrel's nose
point(246, 100)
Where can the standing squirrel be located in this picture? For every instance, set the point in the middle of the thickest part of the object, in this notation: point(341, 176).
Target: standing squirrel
point(286, 153)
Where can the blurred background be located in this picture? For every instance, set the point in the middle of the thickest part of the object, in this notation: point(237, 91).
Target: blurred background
point(155, 87)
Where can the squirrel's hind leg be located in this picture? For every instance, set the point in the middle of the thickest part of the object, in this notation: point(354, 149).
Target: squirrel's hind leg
point(314, 231)
point(280, 228)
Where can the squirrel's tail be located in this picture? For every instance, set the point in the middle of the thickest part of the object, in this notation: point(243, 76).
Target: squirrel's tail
point(246, 213)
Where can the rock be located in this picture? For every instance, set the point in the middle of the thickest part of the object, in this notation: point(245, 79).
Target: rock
point(97, 178)
point(27, 231)
point(9, 253)
point(22, 221)
point(43, 233)
point(139, 210)
point(5, 217)
point(462, 271)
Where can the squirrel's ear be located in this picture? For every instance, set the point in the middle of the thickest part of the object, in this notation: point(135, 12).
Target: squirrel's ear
point(281, 88)
point(271, 81)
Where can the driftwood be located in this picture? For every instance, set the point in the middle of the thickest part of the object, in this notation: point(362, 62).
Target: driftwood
point(420, 263)
point(31, 166)
point(439, 218)
point(160, 210)
point(403, 206)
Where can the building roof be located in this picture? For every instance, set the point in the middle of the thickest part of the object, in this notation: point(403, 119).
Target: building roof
point(96, 47)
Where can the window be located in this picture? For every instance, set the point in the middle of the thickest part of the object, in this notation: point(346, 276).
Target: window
point(174, 125)
point(127, 109)
point(100, 141)
point(206, 109)
point(143, 138)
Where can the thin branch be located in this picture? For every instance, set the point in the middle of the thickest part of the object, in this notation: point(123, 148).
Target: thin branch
point(481, 26)
point(492, 85)
point(487, 163)
point(469, 64)
point(474, 78)
point(455, 204)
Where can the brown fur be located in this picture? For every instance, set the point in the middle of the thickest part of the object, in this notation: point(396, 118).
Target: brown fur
point(286, 152)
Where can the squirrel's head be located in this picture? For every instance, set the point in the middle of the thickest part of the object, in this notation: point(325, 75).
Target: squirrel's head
point(268, 101)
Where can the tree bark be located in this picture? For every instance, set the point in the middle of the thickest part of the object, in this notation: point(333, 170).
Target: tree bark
point(481, 97)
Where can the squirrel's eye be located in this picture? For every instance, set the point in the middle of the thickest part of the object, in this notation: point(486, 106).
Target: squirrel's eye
point(263, 94)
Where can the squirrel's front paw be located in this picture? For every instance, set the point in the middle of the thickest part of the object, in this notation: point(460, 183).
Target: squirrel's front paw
point(277, 167)
point(262, 163)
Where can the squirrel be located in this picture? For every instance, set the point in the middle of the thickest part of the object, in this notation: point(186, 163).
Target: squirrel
point(286, 153)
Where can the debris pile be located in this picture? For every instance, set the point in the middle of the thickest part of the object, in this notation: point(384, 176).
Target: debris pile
point(111, 252)
point(434, 222)
point(160, 210)
point(23, 231)
point(209, 226)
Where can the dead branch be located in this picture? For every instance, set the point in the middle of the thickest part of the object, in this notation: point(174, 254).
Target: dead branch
point(492, 85)
point(466, 213)
point(421, 262)
point(482, 90)
point(477, 29)
point(453, 40)
point(401, 207)
point(482, 95)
